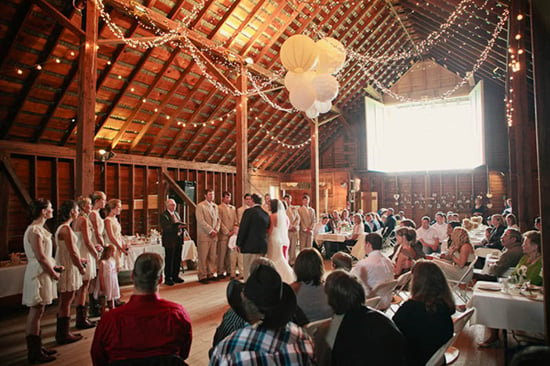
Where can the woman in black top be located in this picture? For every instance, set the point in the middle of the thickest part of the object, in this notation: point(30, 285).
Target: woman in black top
point(425, 320)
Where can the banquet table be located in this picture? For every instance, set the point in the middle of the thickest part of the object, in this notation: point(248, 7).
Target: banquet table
point(189, 251)
point(11, 279)
point(499, 310)
point(135, 250)
point(340, 238)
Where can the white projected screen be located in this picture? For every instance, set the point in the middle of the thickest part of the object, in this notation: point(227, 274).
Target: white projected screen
point(446, 135)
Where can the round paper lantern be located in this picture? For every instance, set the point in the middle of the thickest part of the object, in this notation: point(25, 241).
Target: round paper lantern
point(323, 107)
point(303, 98)
point(295, 81)
point(312, 111)
point(326, 87)
point(332, 55)
point(299, 53)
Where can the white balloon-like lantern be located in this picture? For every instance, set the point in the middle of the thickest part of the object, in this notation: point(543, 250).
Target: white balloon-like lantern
point(299, 53)
point(311, 66)
point(332, 55)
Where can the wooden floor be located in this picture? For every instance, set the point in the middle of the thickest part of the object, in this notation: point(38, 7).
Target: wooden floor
point(205, 304)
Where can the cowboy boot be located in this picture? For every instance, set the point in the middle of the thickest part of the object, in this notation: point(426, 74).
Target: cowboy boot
point(95, 309)
point(46, 351)
point(81, 320)
point(34, 352)
point(62, 334)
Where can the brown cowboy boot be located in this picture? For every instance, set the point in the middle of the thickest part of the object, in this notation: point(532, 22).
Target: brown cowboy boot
point(81, 319)
point(34, 350)
point(62, 335)
point(46, 351)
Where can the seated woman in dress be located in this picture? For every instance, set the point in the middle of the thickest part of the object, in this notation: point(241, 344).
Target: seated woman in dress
point(425, 319)
point(309, 287)
point(408, 252)
point(498, 229)
point(459, 255)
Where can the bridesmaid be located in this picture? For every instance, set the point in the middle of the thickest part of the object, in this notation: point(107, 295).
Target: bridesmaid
point(113, 233)
point(98, 201)
point(70, 281)
point(88, 251)
point(39, 287)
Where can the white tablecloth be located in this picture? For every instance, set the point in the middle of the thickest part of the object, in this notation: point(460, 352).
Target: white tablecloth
point(134, 252)
point(499, 310)
point(11, 280)
point(331, 237)
point(189, 251)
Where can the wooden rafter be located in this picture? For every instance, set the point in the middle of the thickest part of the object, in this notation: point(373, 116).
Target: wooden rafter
point(59, 17)
point(12, 32)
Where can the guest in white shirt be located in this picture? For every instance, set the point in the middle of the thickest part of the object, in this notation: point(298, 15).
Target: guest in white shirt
point(428, 236)
point(375, 268)
point(440, 226)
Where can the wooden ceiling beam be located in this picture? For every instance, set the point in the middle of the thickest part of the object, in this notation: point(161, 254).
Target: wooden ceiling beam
point(28, 86)
point(22, 13)
point(59, 17)
point(246, 49)
point(148, 92)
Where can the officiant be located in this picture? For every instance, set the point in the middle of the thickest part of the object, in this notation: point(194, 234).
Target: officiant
point(172, 241)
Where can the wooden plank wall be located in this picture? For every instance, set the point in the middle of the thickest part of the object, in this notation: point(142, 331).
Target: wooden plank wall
point(341, 153)
point(138, 186)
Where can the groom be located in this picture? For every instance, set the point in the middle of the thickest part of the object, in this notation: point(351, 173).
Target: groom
point(252, 237)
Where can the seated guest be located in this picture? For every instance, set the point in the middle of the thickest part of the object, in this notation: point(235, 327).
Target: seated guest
point(532, 355)
point(389, 225)
point(479, 208)
point(428, 236)
point(531, 260)
point(360, 335)
point(357, 230)
point(334, 221)
point(440, 226)
point(498, 229)
point(375, 268)
point(147, 326)
point(269, 305)
point(512, 221)
point(538, 223)
point(345, 219)
point(309, 287)
point(411, 250)
point(458, 257)
point(425, 319)
point(485, 240)
point(407, 223)
point(320, 227)
point(529, 268)
point(342, 260)
point(450, 227)
point(511, 240)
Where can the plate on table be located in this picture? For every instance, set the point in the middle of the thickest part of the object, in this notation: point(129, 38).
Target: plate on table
point(489, 286)
point(532, 295)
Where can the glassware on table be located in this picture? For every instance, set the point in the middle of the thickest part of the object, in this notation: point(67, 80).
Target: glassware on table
point(505, 284)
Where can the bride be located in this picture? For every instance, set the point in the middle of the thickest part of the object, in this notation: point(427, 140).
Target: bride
point(277, 239)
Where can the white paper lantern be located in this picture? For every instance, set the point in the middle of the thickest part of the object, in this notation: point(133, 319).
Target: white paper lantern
point(332, 55)
point(297, 80)
point(312, 111)
point(302, 98)
point(326, 87)
point(299, 53)
point(323, 107)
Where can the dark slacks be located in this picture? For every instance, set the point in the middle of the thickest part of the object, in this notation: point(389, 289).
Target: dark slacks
point(172, 262)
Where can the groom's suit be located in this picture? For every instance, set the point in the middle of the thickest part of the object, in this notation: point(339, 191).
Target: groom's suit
point(252, 237)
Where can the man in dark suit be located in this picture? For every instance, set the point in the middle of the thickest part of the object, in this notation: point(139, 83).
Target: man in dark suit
point(172, 241)
point(252, 237)
point(389, 226)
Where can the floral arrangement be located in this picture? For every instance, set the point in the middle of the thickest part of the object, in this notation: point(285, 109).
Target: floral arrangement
point(521, 274)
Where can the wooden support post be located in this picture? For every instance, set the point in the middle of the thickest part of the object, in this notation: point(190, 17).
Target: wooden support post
point(86, 106)
point(242, 185)
point(540, 33)
point(4, 215)
point(522, 141)
point(315, 201)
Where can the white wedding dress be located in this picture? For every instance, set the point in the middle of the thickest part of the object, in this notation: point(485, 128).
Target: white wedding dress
point(275, 242)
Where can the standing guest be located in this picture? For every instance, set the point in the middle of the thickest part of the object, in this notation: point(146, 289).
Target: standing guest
point(277, 239)
point(425, 319)
point(228, 226)
point(454, 263)
point(309, 287)
point(271, 338)
point(307, 222)
point(252, 236)
point(246, 204)
point(390, 224)
point(70, 280)
point(98, 202)
point(39, 287)
point(109, 290)
point(113, 230)
point(360, 335)
point(267, 203)
point(146, 327)
point(428, 236)
point(293, 228)
point(375, 268)
point(172, 241)
point(208, 226)
point(88, 251)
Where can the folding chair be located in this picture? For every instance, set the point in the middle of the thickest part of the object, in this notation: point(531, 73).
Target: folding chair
point(384, 290)
point(399, 293)
point(460, 287)
point(373, 302)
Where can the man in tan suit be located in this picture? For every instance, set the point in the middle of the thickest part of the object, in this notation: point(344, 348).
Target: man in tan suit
point(246, 204)
point(293, 228)
point(228, 221)
point(307, 222)
point(208, 226)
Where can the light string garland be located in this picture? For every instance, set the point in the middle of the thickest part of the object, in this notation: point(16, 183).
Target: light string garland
point(514, 65)
point(211, 121)
point(272, 136)
point(178, 38)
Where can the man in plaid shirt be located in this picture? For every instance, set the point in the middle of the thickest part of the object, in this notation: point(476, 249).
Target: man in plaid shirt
point(271, 339)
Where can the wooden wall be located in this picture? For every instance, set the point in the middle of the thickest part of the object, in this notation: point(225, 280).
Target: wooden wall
point(48, 171)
